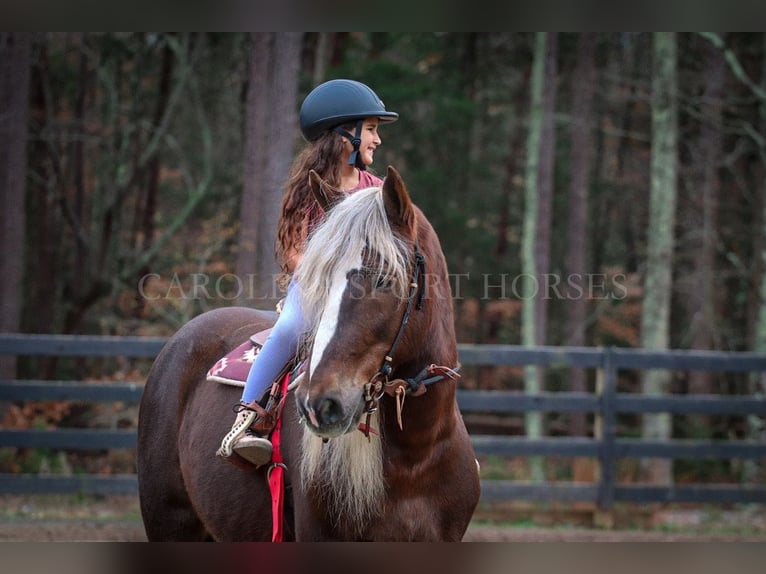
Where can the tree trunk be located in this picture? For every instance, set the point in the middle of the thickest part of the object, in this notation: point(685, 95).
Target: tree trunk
point(271, 119)
point(76, 192)
point(147, 209)
point(322, 55)
point(577, 225)
point(628, 222)
point(755, 429)
point(510, 187)
point(655, 319)
point(545, 188)
point(42, 249)
point(759, 339)
point(532, 420)
point(15, 59)
point(701, 294)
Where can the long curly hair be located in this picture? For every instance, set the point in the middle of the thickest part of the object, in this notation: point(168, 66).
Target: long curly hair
point(300, 211)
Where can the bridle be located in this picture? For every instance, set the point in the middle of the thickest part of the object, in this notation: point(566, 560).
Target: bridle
point(380, 384)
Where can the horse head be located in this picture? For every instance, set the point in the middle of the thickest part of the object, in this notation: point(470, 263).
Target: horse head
point(363, 290)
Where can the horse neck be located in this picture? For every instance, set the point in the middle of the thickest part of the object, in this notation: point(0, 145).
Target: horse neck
point(425, 418)
point(439, 344)
point(433, 335)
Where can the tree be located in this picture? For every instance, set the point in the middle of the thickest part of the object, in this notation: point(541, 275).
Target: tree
point(759, 344)
point(533, 420)
point(321, 56)
point(147, 202)
point(755, 131)
point(758, 381)
point(271, 119)
point(15, 49)
point(545, 187)
point(655, 320)
point(583, 87)
point(128, 146)
point(704, 213)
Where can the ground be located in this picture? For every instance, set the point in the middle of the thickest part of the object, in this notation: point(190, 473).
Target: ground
point(126, 531)
point(52, 518)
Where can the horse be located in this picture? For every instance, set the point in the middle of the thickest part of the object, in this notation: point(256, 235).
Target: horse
point(373, 442)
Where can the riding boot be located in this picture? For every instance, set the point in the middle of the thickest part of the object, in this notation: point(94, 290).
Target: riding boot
point(244, 441)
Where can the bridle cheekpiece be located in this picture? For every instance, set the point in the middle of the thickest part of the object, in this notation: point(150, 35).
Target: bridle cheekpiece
point(380, 382)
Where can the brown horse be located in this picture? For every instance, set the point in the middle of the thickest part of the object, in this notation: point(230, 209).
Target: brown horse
point(373, 440)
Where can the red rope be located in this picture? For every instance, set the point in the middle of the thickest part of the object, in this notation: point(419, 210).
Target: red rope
point(276, 474)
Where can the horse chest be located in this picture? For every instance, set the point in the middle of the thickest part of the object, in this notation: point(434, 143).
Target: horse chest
point(414, 519)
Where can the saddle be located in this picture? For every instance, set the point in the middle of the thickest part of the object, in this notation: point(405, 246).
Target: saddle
point(233, 368)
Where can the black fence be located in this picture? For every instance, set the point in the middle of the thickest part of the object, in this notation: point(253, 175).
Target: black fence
point(607, 448)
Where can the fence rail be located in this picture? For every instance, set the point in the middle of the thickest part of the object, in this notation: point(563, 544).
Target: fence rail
point(607, 447)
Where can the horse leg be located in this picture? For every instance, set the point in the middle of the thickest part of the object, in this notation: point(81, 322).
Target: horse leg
point(232, 502)
point(168, 507)
point(186, 491)
point(166, 510)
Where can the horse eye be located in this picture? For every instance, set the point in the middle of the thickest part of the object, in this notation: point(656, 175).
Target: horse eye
point(383, 282)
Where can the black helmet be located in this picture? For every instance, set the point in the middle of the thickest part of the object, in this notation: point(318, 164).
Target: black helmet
point(339, 102)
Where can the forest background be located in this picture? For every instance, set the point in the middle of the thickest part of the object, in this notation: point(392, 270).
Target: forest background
point(589, 189)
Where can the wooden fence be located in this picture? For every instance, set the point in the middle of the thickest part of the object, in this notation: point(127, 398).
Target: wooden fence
point(607, 447)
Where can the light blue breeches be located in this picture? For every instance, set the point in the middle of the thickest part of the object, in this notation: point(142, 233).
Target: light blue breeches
point(280, 347)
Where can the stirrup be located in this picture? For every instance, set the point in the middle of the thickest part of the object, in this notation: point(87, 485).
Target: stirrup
point(254, 449)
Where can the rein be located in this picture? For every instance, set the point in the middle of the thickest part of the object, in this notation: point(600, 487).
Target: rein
point(379, 384)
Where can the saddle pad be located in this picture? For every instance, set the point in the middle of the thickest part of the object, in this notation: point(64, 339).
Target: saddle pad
point(233, 368)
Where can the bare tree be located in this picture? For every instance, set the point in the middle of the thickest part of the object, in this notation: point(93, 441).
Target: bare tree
point(146, 205)
point(755, 131)
point(655, 320)
point(545, 185)
point(15, 51)
point(701, 291)
point(533, 420)
point(322, 55)
point(583, 88)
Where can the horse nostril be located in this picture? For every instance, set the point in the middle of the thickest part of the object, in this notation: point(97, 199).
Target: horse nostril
point(327, 411)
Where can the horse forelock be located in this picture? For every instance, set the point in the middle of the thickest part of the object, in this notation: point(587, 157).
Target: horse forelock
point(356, 224)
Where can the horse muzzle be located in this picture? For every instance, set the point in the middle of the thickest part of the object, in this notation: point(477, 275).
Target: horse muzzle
point(329, 414)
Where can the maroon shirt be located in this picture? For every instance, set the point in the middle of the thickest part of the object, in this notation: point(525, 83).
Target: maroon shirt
point(315, 213)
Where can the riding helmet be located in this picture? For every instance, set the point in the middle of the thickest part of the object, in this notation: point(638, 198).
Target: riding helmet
point(338, 102)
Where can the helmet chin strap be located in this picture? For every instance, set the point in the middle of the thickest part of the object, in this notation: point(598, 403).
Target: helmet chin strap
point(355, 158)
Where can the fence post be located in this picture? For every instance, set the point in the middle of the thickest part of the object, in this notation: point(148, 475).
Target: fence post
point(605, 431)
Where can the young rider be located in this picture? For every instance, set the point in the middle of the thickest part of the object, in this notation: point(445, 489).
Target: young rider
point(339, 119)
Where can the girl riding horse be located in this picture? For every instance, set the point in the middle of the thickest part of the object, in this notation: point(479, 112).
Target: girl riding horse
point(381, 358)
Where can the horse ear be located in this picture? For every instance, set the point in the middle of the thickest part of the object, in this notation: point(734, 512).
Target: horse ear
point(323, 192)
point(396, 198)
